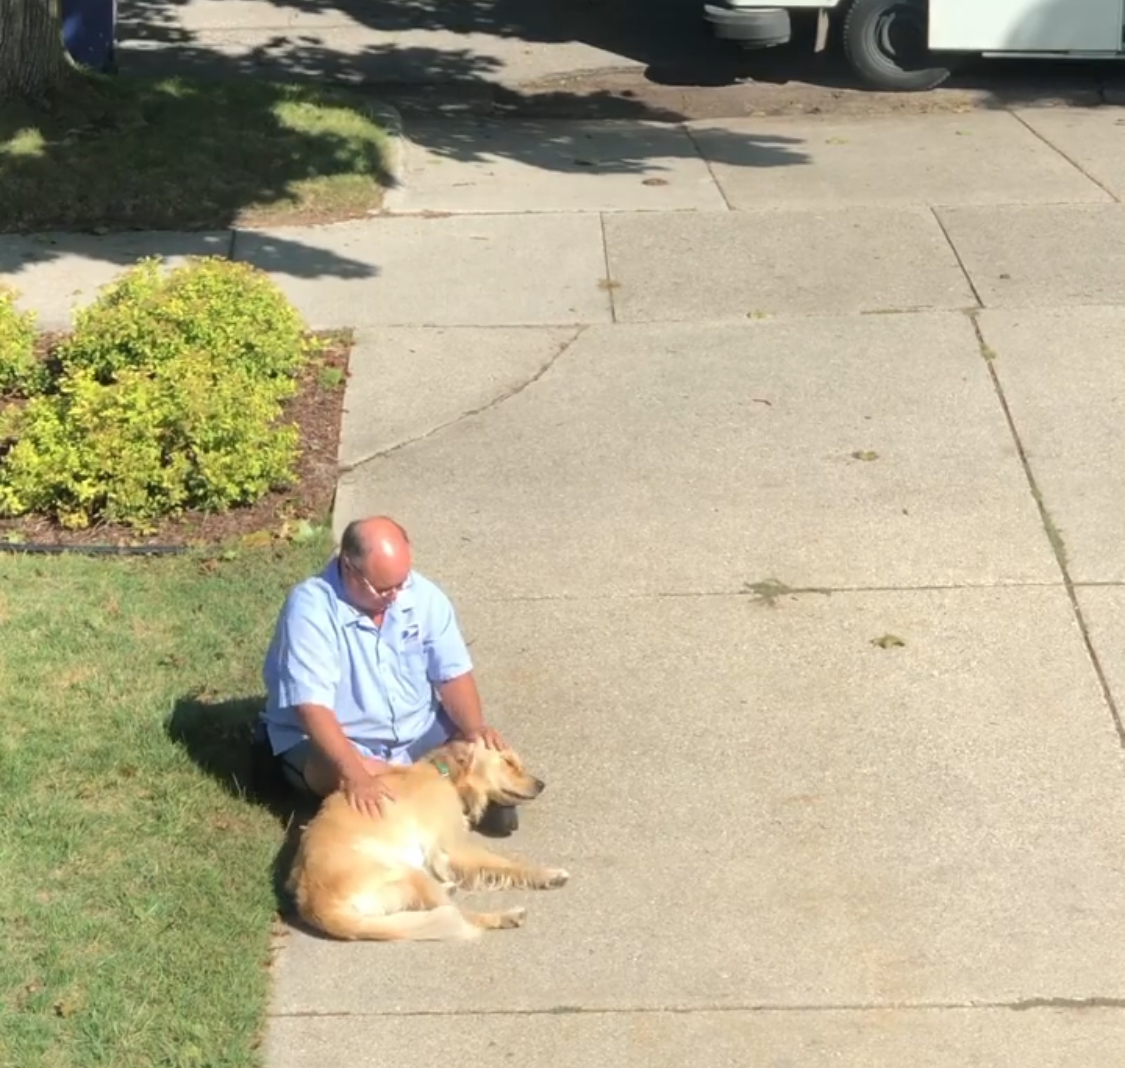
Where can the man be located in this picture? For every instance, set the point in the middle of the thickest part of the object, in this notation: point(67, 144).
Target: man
point(367, 668)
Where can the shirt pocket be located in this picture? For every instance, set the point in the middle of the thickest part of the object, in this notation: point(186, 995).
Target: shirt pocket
point(415, 664)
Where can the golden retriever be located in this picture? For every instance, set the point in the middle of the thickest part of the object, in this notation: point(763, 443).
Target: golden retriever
point(389, 878)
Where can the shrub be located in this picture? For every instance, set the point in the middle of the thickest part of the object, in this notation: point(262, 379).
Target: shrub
point(148, 445)
point(169, 399)
point(232, 311)
point(21, 372)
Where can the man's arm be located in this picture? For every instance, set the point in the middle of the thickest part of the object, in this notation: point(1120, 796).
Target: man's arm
point(451, 671)
point(323, 728)
point(461, 699)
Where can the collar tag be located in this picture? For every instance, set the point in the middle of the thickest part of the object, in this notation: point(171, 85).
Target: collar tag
point(442, 766)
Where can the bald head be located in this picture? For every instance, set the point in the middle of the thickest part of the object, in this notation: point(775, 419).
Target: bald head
point(378, 549)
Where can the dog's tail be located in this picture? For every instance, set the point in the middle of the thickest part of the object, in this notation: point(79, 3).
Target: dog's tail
point(443, 924)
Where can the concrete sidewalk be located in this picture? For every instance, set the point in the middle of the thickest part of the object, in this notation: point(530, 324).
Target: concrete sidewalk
point(790, 845)
point(697, 424)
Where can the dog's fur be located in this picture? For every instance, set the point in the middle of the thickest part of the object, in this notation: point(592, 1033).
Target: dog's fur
point(388, 878)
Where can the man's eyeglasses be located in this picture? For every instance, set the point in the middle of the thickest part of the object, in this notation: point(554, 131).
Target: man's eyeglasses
point(381, 593)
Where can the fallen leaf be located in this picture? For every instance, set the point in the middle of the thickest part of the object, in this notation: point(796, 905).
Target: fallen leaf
point(888, 641)
point(867, 455)
point(257, 539)
point(654, 181)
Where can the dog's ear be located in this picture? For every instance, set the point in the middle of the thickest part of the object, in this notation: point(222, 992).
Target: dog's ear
point(462, 753)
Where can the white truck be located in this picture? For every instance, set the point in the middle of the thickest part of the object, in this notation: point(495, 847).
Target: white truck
point(915, 44)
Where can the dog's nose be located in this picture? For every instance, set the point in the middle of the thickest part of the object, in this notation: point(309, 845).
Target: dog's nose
point(540, 786)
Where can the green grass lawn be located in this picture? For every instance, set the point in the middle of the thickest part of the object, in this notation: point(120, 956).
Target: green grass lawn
point(136, 893)
point(121, 153)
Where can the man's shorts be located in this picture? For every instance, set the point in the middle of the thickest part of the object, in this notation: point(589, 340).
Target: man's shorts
point(292, 761)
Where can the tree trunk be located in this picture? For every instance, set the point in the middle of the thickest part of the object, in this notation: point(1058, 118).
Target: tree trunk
point(33, 61)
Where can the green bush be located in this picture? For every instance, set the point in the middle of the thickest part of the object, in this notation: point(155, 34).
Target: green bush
point(21, 371)
point(169, 400)
point(231, 310)
point(149, 445)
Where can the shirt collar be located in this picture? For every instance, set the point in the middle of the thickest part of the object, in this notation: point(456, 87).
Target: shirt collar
point(346, 612)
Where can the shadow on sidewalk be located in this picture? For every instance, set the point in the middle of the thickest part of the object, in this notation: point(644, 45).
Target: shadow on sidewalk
point(669, 39)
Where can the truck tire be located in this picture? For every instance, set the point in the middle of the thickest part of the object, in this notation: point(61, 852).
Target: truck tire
point(885, 44)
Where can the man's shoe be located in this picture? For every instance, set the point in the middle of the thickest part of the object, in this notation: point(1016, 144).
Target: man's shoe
point(499, 821)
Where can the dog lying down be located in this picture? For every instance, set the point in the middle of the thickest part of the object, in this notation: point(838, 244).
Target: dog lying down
point(389, 878)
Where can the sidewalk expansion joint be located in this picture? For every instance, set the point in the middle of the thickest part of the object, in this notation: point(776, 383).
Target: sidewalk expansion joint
point(610, 284)
point(707, 163)
point(1073, 162)
point(957, 256)
point(765, 597)
point(1050, 528)
point(488, 406)
point(1052, 1004)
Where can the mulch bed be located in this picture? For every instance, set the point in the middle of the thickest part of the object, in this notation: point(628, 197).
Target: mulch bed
point(316, 408)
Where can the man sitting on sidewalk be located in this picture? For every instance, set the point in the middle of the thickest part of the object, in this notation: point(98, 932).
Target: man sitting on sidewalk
point(367, 667)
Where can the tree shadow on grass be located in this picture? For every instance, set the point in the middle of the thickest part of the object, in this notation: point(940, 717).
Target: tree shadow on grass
point(166, 154)
point(218, 736)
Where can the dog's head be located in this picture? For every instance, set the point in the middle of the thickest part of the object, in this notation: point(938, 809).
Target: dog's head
point(482, 775)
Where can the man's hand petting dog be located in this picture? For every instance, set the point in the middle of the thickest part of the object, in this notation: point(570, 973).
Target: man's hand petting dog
point(489, 735)
point(367, 791)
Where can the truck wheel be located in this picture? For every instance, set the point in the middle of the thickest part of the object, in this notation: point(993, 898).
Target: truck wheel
point(885, 42)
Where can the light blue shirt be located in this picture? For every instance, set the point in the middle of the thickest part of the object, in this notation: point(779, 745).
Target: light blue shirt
point(379, 680)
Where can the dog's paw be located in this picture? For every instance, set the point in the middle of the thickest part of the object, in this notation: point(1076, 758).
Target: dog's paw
point(555, 877)
point(513, 917)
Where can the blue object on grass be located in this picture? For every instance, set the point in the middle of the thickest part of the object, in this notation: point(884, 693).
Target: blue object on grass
point(89, 27)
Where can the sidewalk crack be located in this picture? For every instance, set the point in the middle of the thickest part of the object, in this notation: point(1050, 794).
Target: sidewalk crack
point(494, 402)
